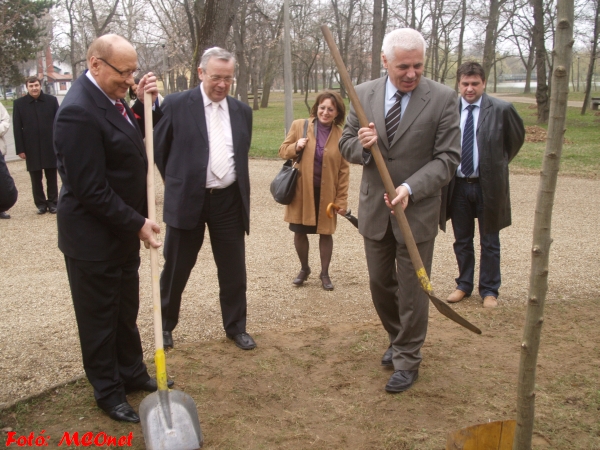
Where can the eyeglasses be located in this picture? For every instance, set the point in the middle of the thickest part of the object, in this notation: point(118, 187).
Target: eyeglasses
point(124, 73)
point(217, 79)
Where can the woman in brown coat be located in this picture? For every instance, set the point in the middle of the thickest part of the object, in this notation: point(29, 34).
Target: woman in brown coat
point(323, 180)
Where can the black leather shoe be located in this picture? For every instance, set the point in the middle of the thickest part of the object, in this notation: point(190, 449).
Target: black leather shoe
point(326, 282)
point(52, 209)
point(401, 380)
point(387, 357)
point(243, 341)
point(4, 215)
point(148, 386)
point(123, 413)
point(302, 277)
point(42, 210)
point(167, 340)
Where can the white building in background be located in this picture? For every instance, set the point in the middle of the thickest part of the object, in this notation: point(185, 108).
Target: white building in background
point(56, 76)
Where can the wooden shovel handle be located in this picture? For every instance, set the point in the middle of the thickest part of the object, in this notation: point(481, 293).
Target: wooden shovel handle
point(159, 355)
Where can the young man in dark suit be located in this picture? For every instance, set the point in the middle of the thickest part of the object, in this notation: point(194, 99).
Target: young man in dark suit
point(201, 150)
point(492, 135)
point(33, 120)
point(415, 122)
point(101, 219)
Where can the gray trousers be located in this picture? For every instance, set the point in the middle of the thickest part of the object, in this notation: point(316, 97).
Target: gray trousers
point(401, 304)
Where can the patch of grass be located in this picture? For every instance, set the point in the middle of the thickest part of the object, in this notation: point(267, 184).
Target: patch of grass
point(580, 153)
point(580, 157)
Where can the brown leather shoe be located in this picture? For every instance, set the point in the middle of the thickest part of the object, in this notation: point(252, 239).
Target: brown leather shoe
point(490, 301)
point(302, 277)
point(456, 296)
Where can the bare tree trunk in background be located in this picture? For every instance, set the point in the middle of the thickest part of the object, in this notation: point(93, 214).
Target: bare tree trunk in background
point(295, 76)
point(215, 22)
point(491, 29)
point(193, 13)
point(72, 40)
point(343, 27)
point(100, 28)
point(274, 57)
point(254, 81)
point(380, 10)
point(588, 85)
point(541, 93)
point(540, 253)
point(461, 37)
point(239, 36)
point(529, 71)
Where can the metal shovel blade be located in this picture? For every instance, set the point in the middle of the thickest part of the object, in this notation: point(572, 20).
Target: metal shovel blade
point(170, 421)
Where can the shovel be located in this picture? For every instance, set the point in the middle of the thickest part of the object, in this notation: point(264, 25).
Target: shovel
point(169, 418)
point(409, 239)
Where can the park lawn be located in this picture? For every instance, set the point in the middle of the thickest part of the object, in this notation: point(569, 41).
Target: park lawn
point(581, 150)
point(580, 157)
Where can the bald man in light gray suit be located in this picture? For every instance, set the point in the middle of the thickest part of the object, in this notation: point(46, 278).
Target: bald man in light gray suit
point(415, 122)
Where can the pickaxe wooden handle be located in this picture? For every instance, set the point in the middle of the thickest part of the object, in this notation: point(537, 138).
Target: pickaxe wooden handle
point(409, 239)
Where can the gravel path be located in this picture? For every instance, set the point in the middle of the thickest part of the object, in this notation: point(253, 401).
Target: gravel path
point(39, 346)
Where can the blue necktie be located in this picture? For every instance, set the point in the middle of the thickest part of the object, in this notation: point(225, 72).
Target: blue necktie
point(468, 139)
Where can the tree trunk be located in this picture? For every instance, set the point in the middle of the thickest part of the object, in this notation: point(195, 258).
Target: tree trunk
point(215, 22)
point(588, 84)
point(528, 71)
point(239, 37)
point(461, 37)
point(274, 57)
point(540, 254)
point(101, 28)
point(254, 77)
point(541, 93)
point(491, 29)
point(379, 25)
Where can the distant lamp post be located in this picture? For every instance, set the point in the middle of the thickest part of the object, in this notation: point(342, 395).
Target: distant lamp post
point(165, 72)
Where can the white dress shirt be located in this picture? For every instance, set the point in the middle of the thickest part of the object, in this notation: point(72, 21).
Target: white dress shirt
point(211, 180)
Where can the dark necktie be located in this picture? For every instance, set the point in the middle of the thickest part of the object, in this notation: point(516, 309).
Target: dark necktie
point(393, 117)
point(468, 139)
point(121, 109)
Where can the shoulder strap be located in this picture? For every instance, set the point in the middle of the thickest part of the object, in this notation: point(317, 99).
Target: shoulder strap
point(299, 157)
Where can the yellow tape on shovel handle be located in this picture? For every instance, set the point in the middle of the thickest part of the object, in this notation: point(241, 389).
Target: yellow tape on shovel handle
point(161, 369)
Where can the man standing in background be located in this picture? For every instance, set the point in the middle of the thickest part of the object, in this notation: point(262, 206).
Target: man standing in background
point(33, 120)
point(492, 135)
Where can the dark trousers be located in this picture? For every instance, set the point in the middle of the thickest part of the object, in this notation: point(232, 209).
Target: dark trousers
point(401, 304)
point(37, 188)
point(222, 213)
point(106, 300)
point(467, 205)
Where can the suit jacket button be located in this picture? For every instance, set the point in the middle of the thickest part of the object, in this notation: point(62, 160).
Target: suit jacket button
point(390, 159)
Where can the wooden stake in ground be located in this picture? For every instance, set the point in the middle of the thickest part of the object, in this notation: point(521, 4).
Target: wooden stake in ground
point(540, 252)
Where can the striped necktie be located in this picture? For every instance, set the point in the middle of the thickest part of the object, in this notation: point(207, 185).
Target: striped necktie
point(121, 109)
point(468, 139)
point(393, 117)
point(219, 160)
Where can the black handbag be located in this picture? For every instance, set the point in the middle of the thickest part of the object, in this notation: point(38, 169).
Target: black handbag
point(283, 186)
